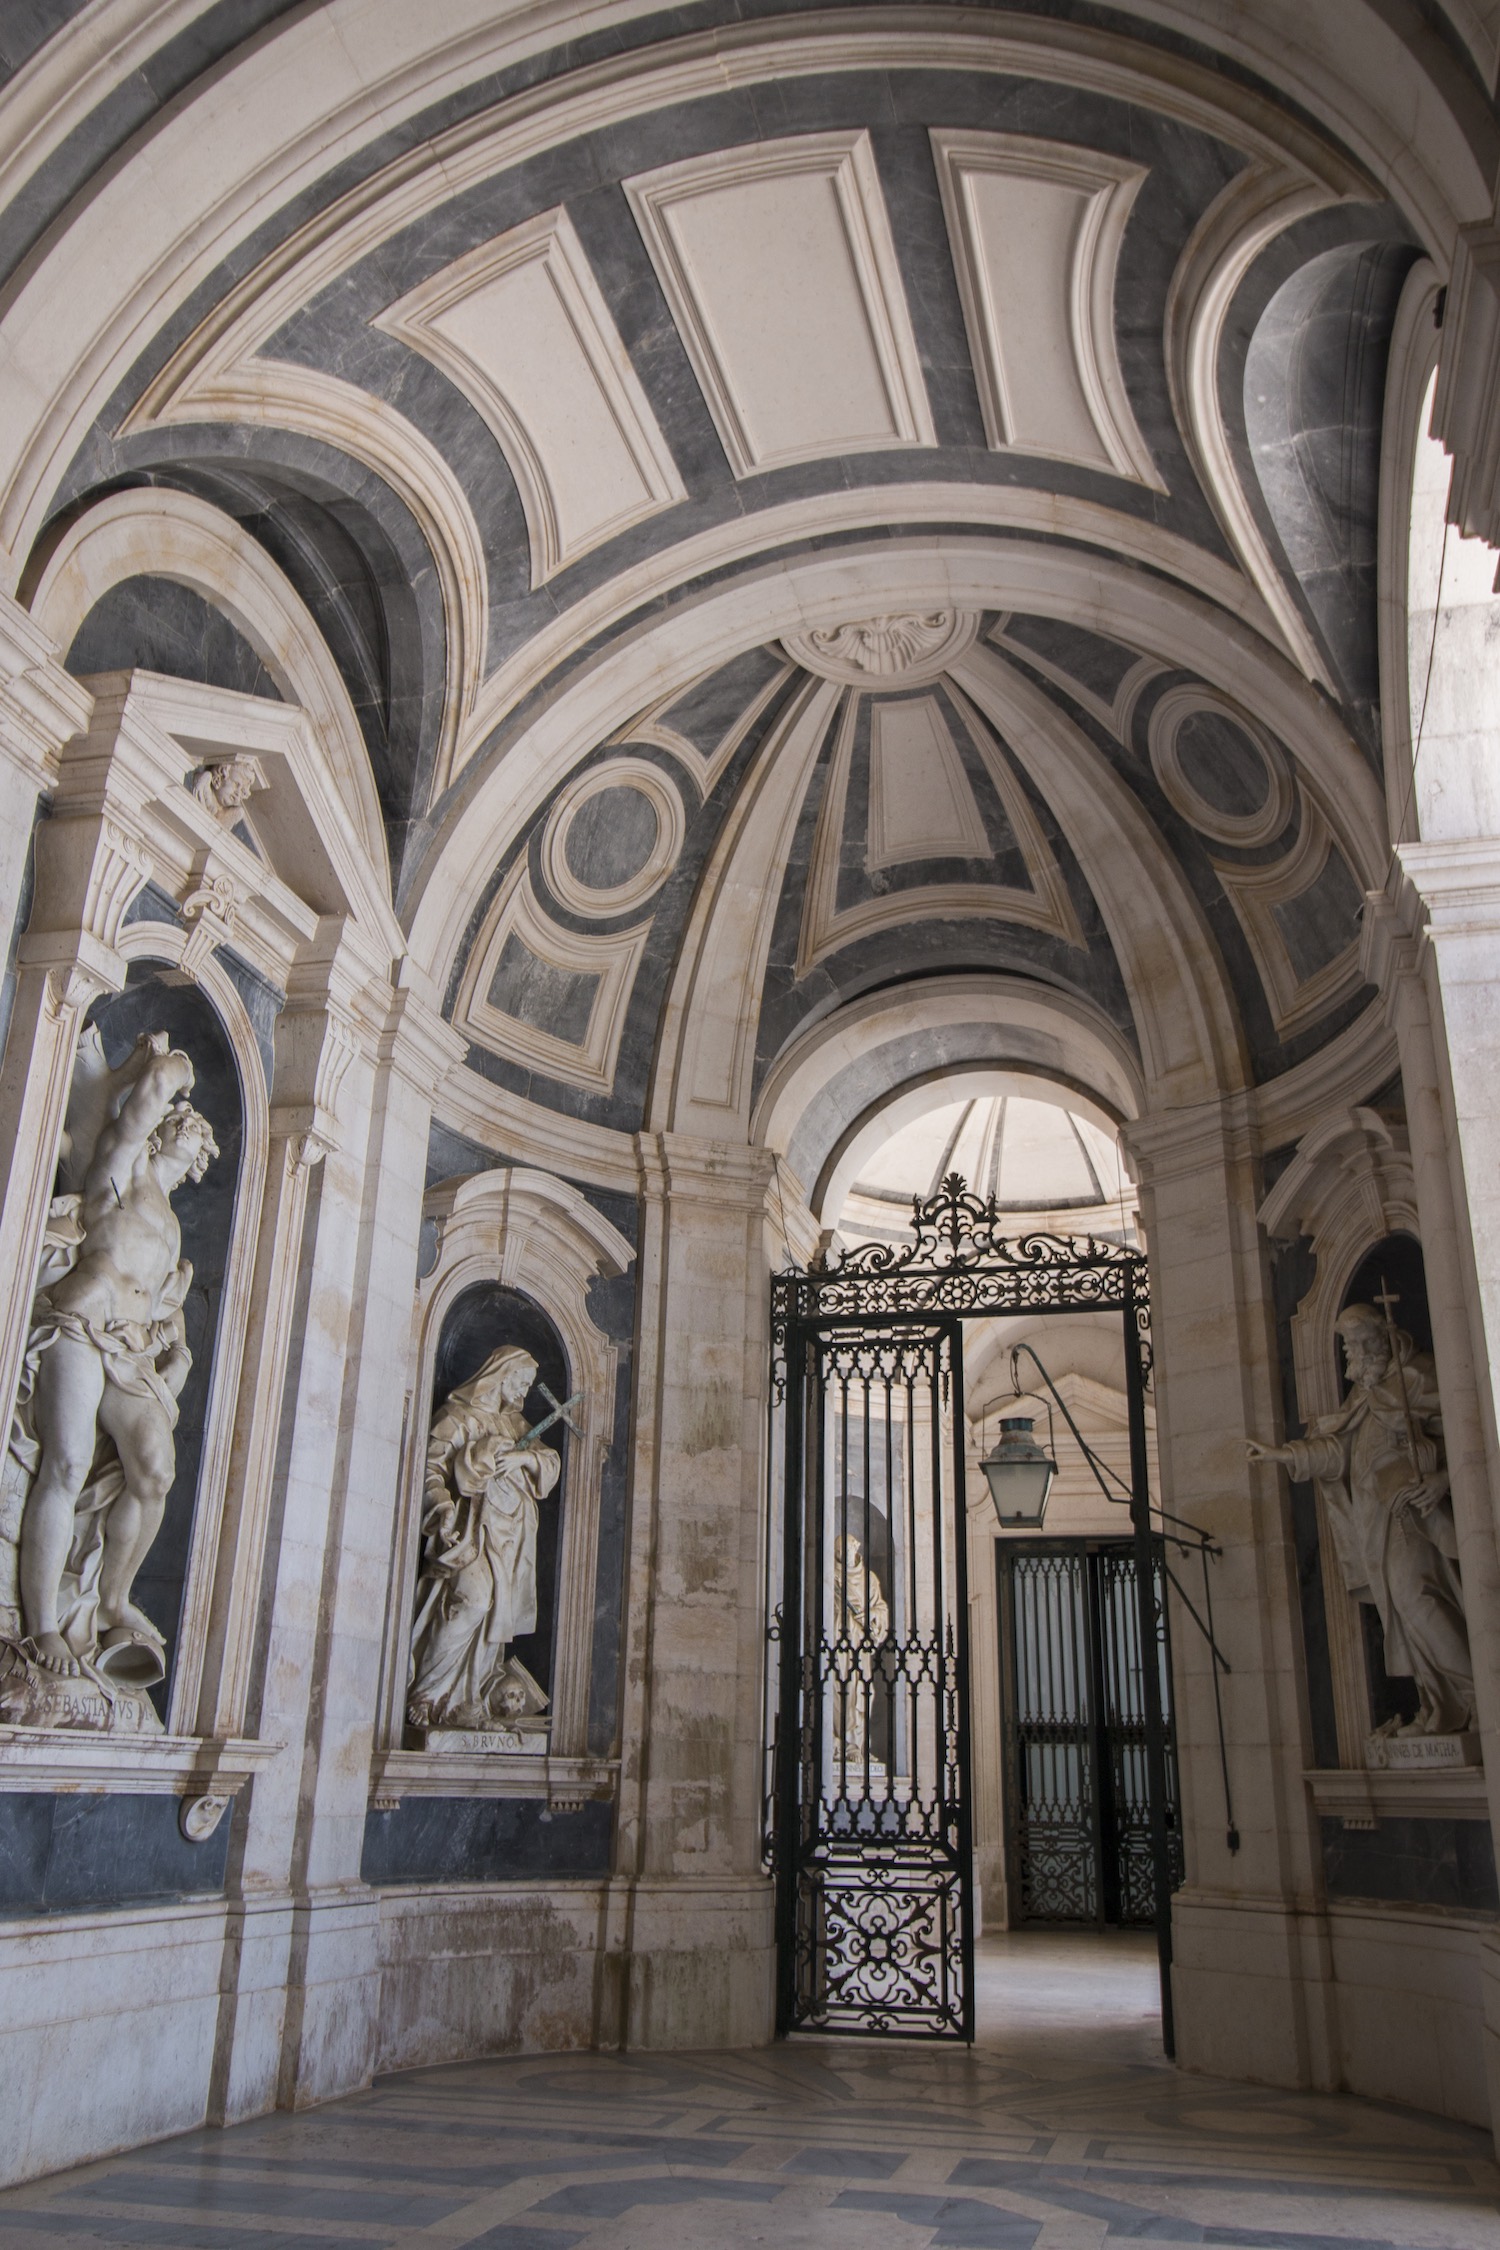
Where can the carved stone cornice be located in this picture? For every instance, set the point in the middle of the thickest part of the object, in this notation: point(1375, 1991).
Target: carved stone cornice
point(1354, 1164)
point(41, 705)
point(416, 1041)
point(723, 1173)
point(1393, 935)
point(1459, 884)
point(1466, 407)
point(1174, 1144)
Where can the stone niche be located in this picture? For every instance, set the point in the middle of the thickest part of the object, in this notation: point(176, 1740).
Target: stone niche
point(1344, 1226)
point(485, 1320)
point(193, 889)
point(512, 1255)
point(106, 1692)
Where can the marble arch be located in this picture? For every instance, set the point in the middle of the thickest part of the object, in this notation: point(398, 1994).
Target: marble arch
point(629, 594)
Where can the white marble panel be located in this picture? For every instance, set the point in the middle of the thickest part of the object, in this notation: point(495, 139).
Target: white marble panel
point(921, 805)
point(779, 268)
point(1036, 229)
point(521, 327)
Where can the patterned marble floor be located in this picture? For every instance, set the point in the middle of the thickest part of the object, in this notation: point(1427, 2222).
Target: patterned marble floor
point(1063, 2130)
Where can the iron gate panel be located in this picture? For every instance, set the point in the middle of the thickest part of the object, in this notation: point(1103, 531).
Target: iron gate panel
point(871, 1848)
point(877, 1922)
point(1078, 1784)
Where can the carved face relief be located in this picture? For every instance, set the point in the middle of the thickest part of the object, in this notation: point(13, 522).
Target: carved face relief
point(909, 645)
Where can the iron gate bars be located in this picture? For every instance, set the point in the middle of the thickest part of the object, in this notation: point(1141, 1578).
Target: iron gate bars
point(1077, 1803)
point(958, 1264)
point(875, 1891)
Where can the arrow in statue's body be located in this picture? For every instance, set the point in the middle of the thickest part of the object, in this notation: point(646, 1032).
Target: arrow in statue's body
point(561, 1412)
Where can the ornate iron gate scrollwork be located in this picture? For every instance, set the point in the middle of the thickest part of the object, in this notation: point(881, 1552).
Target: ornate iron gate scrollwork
point(870, 1838)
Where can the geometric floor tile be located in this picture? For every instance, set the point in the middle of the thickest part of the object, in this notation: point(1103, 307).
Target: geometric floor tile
point(1063, 2128)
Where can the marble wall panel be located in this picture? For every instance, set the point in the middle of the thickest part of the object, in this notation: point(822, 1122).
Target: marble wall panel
point(59, 1854)
point(484, 1840)
point(162, 626)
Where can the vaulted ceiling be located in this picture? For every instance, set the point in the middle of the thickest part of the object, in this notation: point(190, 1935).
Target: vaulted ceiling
point(949, 438)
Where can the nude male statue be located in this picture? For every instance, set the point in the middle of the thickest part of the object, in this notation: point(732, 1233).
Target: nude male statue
point(107, 1357)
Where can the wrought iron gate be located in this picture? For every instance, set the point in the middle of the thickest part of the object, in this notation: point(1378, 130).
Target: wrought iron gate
point(878, 1914)
point(1077, 1784)
point(868, 1799)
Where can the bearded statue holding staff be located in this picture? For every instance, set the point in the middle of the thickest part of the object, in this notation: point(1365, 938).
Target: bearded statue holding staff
point(487, 1473)
point(1379, 1467)
point(92, 1453)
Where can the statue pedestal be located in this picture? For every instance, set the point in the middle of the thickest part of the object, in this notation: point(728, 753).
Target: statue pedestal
point(466, 1742)
point(1421, 1753)
point(81, 1703)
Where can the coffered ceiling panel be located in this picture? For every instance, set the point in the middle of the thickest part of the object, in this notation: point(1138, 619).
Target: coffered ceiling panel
point(778, 265)
point(1036, 228)
point(521, 327)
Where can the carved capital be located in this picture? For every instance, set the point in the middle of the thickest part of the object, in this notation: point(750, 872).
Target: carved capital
point(72, 986)
point(306, 1148)
point(210, 910)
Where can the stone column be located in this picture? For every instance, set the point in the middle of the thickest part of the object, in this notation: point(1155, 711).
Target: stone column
point(357, 1069)
point(332, 2015)
point(41, 707)
point(692, 1916)
point(295, 1340)
point(1251, 1980)
point(1442, 993)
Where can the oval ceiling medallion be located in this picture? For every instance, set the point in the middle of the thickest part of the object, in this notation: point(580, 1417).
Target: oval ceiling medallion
point(1220, 770)
point(613, 837)
point(905, 647)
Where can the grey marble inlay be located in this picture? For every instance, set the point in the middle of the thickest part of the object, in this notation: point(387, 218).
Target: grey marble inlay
point(1316, 927)
point(163, 626)
point(1220, 762)
point(611, 837)
point(1323, 920)
point(538, 992)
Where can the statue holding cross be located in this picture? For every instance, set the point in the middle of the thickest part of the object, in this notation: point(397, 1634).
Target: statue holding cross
point(1380, 1469)
point(487, 1473)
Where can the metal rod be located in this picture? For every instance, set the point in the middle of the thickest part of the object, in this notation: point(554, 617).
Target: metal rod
point(1151, 1641)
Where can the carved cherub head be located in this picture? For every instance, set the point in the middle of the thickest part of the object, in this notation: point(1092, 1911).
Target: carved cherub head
point(226, 788)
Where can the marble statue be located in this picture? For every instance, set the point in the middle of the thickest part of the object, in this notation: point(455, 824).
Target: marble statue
point(487, 1473)
point(1379, 1465)
point(92, 1453)
point(865, 1621)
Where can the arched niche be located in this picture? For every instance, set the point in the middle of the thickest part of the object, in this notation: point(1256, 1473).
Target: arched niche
point(158, 999)
point(484, 1316)
point(513, 1256)
point(1344, 1213)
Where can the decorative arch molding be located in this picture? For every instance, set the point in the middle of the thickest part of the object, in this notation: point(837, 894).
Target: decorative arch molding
point(538, 1235)
point(1410, 365)
point(822, 1096)
point(173, 535)
point(311, 91)
point(820, 590)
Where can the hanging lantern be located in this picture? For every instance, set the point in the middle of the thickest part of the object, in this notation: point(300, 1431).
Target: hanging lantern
point(1019, 1473)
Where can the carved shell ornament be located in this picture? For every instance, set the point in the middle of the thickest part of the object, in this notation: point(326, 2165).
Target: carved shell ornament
point(909, 646)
